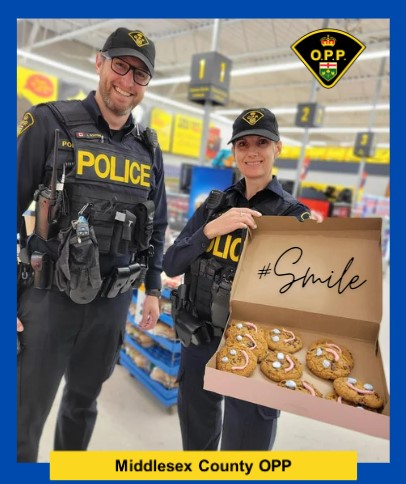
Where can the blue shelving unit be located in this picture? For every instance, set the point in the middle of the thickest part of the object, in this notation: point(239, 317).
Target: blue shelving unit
point(165, 354)
point(166, 396)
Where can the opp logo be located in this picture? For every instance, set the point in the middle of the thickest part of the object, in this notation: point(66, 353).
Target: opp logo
point(328, 54)
point(40, 85)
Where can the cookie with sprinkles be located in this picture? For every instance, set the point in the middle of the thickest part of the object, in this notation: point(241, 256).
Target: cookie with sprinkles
point(281, 339)
point(246, 339)
point(301, 386)
point(358, 391)
point(336, 397)
point(279, 366)
point(328, 360)
point(243, 327)
point(240, 361)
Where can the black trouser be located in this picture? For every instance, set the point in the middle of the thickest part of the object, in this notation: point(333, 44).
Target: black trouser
point(60, 337)
point(245, 426)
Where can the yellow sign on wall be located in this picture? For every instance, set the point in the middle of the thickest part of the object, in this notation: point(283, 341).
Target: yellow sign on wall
point(187, 136)
point(161, 121)
point(334, 153)
point(35, 86)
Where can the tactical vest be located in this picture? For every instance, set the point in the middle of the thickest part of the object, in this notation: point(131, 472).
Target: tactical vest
point(211, 275)
point(106, 181)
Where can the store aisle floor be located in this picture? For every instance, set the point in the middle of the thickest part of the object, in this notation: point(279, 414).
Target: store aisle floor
point(130, 418)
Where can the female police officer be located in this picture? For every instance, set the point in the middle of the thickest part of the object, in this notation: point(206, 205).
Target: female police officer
point(207, 252)
point(91, 242)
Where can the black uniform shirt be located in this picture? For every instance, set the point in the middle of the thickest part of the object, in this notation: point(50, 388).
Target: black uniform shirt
point(191, 242)
point(35, 142)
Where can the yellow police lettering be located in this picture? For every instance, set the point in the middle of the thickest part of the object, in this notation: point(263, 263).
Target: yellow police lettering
point(234, 254)
point(69, 144)
point(216, 251)
point(145, 175)
point(340, 53)
point(142, 173)
point(105, 166)
point(85, 158)
point(102, 159)
point(135, 179)
point(229, 249)
point(113, 175)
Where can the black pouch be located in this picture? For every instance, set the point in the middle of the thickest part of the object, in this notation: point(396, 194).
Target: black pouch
point(25, 274)
point(43, 268)
point(103, 224)
point(188, 329)
point(144, 212)
point(123, 233)
point(115, 283)
point(136, 273)
point(220, 306)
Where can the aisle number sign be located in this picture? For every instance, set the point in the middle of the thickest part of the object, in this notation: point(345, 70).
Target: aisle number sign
point(309, 115)
point(364, 144)
point(210, 78)
point(328, 54)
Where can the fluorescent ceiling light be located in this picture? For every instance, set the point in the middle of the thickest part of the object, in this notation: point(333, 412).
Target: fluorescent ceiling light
point(329, 109)
point(336, 130)
point(57, 65)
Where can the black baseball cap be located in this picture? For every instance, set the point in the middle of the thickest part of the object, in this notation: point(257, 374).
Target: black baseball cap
point(131, 42)
point(258, 121)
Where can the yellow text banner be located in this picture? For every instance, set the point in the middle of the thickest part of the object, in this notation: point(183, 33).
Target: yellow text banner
point(190, 465)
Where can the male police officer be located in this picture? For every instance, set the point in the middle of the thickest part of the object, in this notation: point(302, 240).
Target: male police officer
point(98, 181)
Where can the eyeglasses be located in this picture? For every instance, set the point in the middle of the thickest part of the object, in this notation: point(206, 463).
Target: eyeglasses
point(121, 67)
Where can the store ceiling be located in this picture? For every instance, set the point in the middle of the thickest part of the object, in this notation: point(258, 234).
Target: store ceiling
point(250, 44)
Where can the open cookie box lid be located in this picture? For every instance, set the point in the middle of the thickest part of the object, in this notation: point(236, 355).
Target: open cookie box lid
point(324, 277)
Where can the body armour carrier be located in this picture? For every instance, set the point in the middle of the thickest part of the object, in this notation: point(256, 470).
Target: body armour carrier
point(200, 306)
point(106, 182)
point(101, 206)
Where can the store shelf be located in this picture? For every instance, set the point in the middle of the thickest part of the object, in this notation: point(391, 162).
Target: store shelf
point(172, 346)
point(167, 396)
point(164, 354)
point(166, 293)
point(161, 357)
point(167, 319)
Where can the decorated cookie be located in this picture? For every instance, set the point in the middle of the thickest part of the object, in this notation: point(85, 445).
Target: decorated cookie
point(244, 338)
point(336, 397)
point(358, 391)
point(328, 360)
point(281, 366)
point(281, 339)
point(301, 386)
point(243, 327)
point(234, 359)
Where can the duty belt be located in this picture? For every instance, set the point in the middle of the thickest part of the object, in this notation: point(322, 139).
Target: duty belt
point(120, 280)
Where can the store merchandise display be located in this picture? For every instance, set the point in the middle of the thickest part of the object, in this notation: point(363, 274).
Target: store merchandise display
point(152, 357)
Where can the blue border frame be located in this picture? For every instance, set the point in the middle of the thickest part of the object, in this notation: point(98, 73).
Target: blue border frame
point(39, 473)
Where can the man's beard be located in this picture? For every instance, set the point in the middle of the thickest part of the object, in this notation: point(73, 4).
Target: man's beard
point(114, 109)
point(118, 111)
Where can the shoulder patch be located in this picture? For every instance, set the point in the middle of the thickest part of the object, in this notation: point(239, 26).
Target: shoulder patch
point(26, 123)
